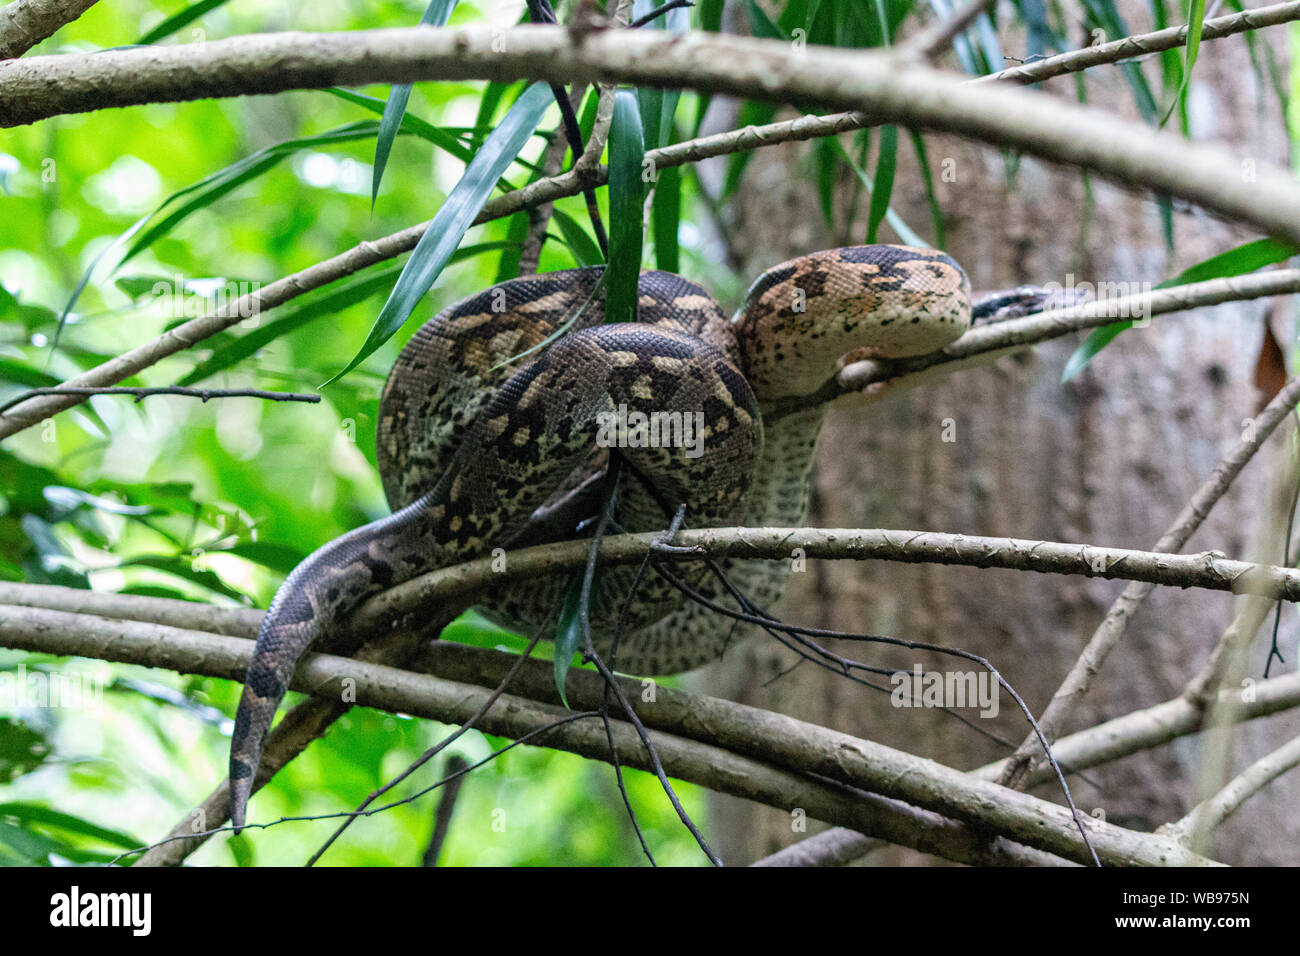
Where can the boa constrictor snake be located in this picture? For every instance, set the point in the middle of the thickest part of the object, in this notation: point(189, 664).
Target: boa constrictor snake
point(476, 456)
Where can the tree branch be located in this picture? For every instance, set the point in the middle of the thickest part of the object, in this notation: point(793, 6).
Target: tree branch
point(372, 252)
point(784, 757)
point(1096, 746)
point(1209, 570)
point(985, 344)
point(1113, 625)
point(1208, 815)
point(205, 394)
point(1073, 61)
point(889, 88)
point(931, 42)
point(25, 23)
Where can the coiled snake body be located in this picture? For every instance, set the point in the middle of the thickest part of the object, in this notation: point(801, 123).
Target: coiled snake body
point(476, 456)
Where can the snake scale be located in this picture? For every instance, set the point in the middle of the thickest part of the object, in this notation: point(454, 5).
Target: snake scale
point(476, 453)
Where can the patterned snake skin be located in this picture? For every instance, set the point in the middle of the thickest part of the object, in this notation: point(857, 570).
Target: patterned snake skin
point(475, 456)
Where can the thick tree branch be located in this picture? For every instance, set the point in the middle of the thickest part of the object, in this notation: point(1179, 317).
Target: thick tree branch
point(813, 127)
point(371, 252)
point(882, 84)
point(1209, 570)
point(25, 23)
point(786, 756)
point(1096, 746)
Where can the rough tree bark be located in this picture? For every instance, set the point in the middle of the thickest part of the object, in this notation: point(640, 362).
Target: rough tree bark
point(1109, 458)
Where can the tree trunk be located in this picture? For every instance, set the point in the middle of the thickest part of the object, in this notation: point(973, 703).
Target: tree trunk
point(1109, 458)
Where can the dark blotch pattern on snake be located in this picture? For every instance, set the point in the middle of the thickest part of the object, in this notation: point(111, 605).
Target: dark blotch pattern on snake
point(475, 456)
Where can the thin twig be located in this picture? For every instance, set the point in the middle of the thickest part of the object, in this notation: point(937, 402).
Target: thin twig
point(429, 754)
point(931, 42)
point(761, 618)
point(590, 655)
point(203, 394)
point(658, 12)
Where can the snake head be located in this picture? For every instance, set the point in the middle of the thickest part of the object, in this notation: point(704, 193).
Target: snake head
point(802, 317)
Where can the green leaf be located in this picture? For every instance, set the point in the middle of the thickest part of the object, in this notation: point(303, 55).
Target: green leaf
point(1238, 261)
point(1103, 14)
point(626, 199)
point(1097, 340)
point(435, 14)
point(751, 114)
point(411, 124)
point(584, 248)
point(710, 19)
point(181, 567)
point(761, 24)
point(20, 374)
point(493, 94)
point(826, 158)
point(904, 231)
point(885, 165)
point(516, 233)
point(352, 292)
point(277, 557)
point(568, 634)
point(212, 187)
point(936, 211)
point(1195, 21)
point(29, 813)
point(22, 749)
point(667, 209)
point(453, 220)
point(29, 314)
point(178, 20)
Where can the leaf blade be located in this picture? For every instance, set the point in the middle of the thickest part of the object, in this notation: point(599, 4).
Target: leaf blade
point(455, 217)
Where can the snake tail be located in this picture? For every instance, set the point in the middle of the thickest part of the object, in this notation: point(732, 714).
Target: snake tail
point(340, 574)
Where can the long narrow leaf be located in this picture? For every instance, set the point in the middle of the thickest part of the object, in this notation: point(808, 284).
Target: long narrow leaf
point(435, 14)
point(579, 241)
point(1195, 22)
point(1238, 261)
point(455, 217)
point(885, 165)
point(412, 124)
point(936, 211)
point(626, 199)
point(568, 635)
point(178, 20)
point(667, 219)
point(905, 232)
